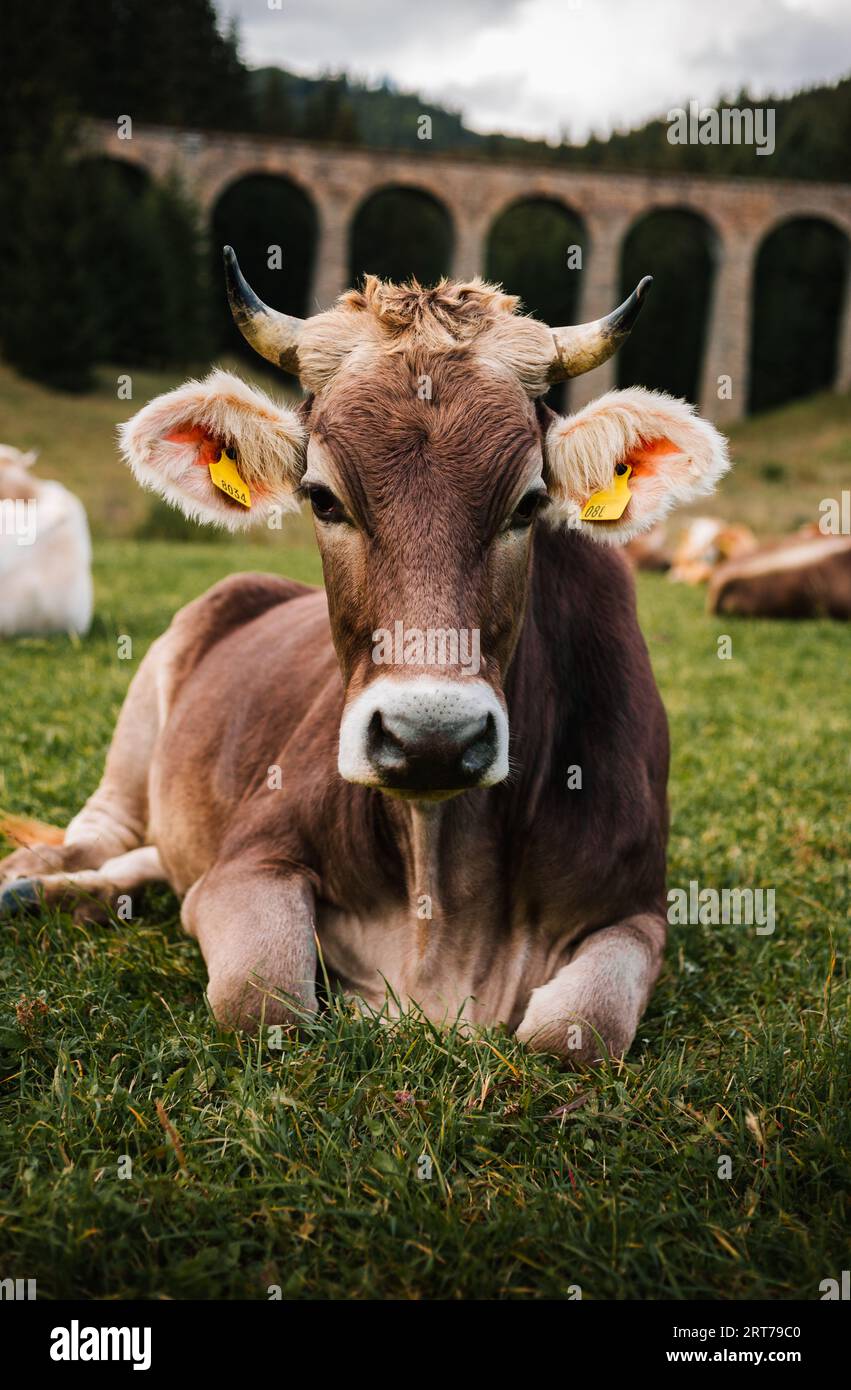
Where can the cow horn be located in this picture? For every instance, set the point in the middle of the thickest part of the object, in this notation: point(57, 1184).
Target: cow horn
point(587, 345)
point(273, 334)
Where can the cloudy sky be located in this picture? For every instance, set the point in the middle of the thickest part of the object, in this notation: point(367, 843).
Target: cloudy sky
point(537, 67)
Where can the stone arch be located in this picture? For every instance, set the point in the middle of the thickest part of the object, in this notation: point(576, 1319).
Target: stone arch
point(799, 289)
point(126, 176)
point(548, 281)
point(679, 247)
point(273, 226)
point(398, 231)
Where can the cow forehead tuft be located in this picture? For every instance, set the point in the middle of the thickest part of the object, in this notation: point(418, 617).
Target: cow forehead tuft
point(384, 320)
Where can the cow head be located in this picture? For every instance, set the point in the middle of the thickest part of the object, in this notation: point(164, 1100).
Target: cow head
point(15, 480)
point(428, 460)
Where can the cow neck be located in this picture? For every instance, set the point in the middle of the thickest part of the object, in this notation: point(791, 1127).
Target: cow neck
point(535, 695)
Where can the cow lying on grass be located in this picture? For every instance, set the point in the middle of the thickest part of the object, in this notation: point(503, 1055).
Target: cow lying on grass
point(803, 576)
point(293, 778)
point(45, 552)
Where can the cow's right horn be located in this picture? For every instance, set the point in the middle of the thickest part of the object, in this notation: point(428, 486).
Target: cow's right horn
point(587, 345)
point(273, 334)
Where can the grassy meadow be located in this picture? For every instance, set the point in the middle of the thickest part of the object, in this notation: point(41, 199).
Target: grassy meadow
point(144, 1153)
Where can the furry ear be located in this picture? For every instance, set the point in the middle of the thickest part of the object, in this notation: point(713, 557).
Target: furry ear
point(172, 441)
point(674, 456)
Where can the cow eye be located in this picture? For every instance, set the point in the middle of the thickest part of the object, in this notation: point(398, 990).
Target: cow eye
point(526, 510)
point(324, 503)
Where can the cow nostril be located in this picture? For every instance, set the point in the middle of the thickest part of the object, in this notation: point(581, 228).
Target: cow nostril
point(481, 748)
point(383, 747)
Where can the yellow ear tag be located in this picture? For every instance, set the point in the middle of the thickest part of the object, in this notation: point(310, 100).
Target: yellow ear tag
point(610, 502)
point(224, 474)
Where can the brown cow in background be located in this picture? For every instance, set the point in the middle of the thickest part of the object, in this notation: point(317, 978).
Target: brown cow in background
point(803, 576)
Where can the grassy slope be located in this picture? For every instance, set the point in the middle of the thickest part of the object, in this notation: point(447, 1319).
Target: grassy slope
point(299, 1168)
point(785, 461)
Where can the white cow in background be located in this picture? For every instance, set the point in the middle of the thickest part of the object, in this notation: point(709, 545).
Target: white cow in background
point(45, 552)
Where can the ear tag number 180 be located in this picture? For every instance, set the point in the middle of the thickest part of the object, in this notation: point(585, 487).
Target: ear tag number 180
point(224, 474)
point(610, 503)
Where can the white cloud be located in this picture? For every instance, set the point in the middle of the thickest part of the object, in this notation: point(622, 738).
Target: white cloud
point(536, 67)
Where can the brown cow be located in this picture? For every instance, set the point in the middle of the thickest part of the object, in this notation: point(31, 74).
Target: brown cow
point(804, 576)
point(290, 760)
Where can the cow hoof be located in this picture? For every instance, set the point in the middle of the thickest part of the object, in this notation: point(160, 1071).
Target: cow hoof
point(18, 897)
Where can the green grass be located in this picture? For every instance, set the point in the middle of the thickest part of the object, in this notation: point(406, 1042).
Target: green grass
point(252, 1167)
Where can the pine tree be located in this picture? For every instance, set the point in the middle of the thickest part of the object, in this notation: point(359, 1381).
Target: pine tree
point(186, 292)
point(50, 315)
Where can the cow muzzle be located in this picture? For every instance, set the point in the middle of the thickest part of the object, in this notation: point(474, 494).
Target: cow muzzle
point(424, 737)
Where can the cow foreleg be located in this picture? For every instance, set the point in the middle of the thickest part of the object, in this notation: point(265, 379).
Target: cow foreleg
point(90, 894)
point(595, 1002)
point(256, 929)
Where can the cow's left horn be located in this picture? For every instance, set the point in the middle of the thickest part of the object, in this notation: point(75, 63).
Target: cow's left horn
point(588, 345)
point(273, 334)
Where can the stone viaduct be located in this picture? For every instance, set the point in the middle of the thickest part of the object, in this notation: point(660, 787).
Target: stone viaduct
point(740, 212)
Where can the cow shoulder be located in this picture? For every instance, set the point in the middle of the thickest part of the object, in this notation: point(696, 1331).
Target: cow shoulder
point(585, 610)
point(199, 626)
